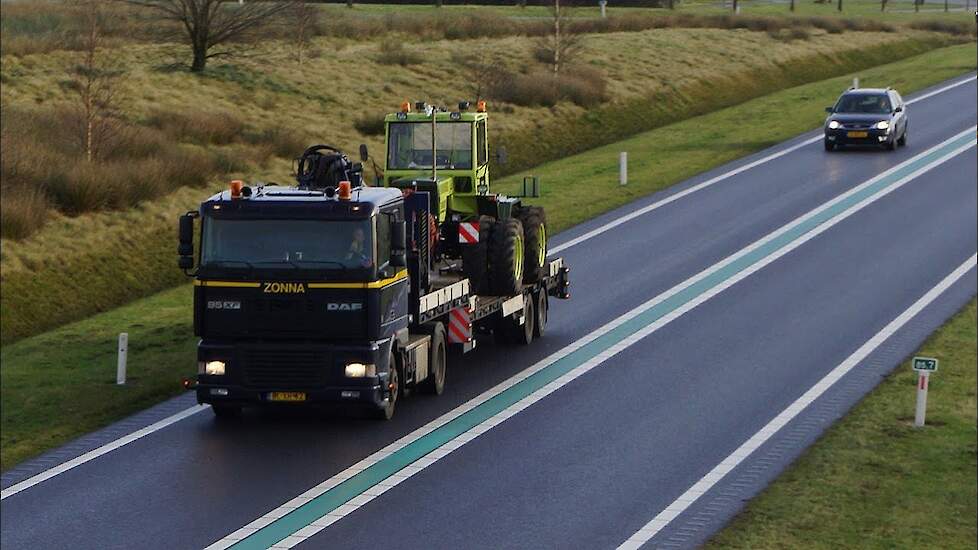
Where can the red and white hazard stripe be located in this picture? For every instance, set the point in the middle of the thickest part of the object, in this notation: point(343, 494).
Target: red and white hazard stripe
point(468, 232)
point(459, 326)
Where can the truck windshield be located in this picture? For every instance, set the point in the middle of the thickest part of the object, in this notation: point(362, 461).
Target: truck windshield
point(314, 244)
point(409, 145)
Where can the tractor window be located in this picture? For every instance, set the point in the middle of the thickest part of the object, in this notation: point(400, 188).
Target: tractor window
point(409, 145)
point(480, 136)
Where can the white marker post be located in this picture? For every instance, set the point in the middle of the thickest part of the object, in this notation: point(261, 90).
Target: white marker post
point(924, 366)
point(120, 369)
point(855, 82)
point(603, 4)
point(623, 168)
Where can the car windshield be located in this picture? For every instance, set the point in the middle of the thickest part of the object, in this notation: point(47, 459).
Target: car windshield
point(876, 104)
point(301, 244)
point(410, 145)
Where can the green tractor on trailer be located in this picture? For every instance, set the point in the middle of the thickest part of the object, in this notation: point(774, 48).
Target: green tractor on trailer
point(331, 291)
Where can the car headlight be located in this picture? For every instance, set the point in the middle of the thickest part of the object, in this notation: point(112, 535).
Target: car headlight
point(883, 125)
point(211, 368)
point(833, 124)
point(360, 370)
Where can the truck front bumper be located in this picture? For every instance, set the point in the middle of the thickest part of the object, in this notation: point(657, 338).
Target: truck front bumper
point(217, 393)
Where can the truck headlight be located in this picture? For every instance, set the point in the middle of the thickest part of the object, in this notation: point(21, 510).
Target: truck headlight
point(211, 368)
point(833, 124)
point(360, 370)
point(882, 125)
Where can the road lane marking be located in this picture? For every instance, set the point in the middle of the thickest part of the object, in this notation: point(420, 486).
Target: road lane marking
point(48, 474)
point(717, 179)
point(684, 501)
point(333, 499)
point(95, 453)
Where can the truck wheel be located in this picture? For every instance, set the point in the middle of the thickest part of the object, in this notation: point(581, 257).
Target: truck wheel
point(386, 412)
point(226, 412)
point(437, 363)
point(535, 238)
point(506, 257)
point(509, 331)
point(475, 262)
point(542, 312)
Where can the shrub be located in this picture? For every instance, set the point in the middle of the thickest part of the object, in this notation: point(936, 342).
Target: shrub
point(23, 210)
point(393, 52)
point(369, 124)
point(583, 86)
point(788, 35)
point(200, 127)
point(960, 28)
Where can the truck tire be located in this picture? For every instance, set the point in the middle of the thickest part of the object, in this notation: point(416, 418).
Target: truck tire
point(226, 412)
point(534, 223)
point(506, 258)
point(508, 330)
point(475, 260)
point(386, 412)
point(437, 363)
point(542, 313)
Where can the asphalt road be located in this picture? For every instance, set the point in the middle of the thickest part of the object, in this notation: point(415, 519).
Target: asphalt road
point(589, 464)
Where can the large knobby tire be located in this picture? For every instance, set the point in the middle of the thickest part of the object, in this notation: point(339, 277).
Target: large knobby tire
point(506, 258)
point(534, 223)
point(437, 363)
point(386, 411)
point(475, 259)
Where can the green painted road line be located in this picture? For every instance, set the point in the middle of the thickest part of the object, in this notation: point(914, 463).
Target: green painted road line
point(384, 468)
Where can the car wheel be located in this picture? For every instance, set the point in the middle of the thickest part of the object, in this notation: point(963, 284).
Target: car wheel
point(890, 145)
point(829, 146)
point(902, 142)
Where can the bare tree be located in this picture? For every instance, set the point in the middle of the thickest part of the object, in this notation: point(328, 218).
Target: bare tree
point(560, 47)
point(96, 83)
point(482, 72)
point(302, 19)
point(212, 23)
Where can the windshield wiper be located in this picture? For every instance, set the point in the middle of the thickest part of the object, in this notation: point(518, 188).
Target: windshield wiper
point(329, 262)
point(248, 265)
point(283, 262)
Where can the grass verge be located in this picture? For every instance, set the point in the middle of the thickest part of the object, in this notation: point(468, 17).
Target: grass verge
point(873, 480)
point(81, 356)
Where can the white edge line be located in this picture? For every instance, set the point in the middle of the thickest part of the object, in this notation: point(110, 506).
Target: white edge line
point(717, 179)
point(95, 453)
point(47, 474)
point(498, 418)
point(698, 489)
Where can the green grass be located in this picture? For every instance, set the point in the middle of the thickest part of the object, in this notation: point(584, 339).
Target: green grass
point(77, 361)
point(873, 480)
point(585, 185)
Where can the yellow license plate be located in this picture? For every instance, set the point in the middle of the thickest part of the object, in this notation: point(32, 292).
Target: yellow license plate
point(287, 396)
point(857, 134)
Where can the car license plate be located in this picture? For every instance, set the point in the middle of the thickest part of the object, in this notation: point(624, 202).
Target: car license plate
point(287, 396)
point(857, 134)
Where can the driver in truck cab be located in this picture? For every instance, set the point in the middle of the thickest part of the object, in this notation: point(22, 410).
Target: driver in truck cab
point(358, 248)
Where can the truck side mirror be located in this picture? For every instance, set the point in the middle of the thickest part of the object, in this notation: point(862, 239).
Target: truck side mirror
point(363, 152)
point(186, 237)
point(399, 244)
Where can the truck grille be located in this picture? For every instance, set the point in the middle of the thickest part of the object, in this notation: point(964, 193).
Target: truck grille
point(274, 369)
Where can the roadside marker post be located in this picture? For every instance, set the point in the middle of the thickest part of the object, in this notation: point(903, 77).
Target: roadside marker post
point(120, 369)
point(603, 4)
point(623, 168)
point(855, 82)
point(924, 366)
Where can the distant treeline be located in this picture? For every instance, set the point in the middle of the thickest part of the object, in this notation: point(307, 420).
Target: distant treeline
point(564, 3)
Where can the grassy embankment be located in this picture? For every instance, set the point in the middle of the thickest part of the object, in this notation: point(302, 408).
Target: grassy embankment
point(875, 481)
point(72, 368)
point(75, 267)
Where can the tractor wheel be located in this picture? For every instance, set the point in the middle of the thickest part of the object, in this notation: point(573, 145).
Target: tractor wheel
point(475, 261)
point(506, 258)
point(535, 243)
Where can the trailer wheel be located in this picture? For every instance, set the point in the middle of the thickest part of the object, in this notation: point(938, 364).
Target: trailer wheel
point(535, 239)
point(394, 381)
point(510, 331)
point(226, 412)
point(437, 363)
point(543, 312)
point(506, 257)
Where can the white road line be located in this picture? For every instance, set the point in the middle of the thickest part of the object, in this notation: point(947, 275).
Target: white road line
point(666, 516)
point(578, 371)
point(95, 453)
point(717, 179)
point(47, 474)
